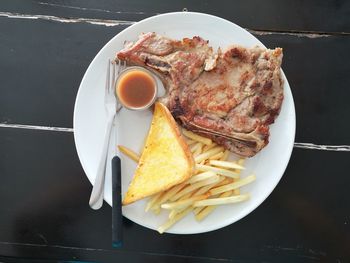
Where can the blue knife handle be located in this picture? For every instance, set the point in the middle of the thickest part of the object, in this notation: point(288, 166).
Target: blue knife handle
point(117, 217)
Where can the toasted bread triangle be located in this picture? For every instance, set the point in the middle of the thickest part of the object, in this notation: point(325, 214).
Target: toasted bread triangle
point(165, 161)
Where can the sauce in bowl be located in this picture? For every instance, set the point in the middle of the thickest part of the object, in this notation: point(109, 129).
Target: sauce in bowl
point(136, 88)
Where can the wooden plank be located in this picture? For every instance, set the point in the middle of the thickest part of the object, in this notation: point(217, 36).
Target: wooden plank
point(42, 66)
point(324, 16)
point(45, 64)
point(45, 213)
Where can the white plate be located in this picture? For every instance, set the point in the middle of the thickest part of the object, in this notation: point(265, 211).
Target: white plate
point(89, 122)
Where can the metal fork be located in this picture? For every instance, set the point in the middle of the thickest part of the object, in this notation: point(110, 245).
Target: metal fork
point(112, 107)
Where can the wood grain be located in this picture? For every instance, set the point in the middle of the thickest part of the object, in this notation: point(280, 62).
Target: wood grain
point(313, 15)
point(45, 214)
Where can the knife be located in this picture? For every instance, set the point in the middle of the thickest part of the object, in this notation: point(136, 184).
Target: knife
point(117, 217)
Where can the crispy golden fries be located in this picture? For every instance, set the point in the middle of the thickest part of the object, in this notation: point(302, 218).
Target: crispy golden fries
point(201, 176)
point(208, 154)
point(221, 171)
point(208, 147)
point(216, 181)
point(190, 142)
point(236, 191)
point(217, 156)
point(226, 164)
point(195, 146)
point(197, 210)
point(172, 221)
point(152, 201)
point(222, 200)
point(174, 212)
point(170, 193)
point(201, 213)
point(195, 186)
point(198, 151)
point(130, 153)
point(224, 182)
point(206, 188)
point(183, 203)
point(196, 137)
point(225, 156)
point(232, 186)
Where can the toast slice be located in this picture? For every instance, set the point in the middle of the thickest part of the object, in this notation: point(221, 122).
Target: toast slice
point(166, 159)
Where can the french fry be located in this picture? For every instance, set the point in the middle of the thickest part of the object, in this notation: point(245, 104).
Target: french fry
point(197, 210)
point(205, 211)
point(185, 196)
point(225, 156)
point(192, 187)
point(208, 147)
point(226, 164)
point(172, 221)
point(173, 213)
point(201, 176)
point(130, 153)
point(232, 186)
point(176, 211)
point(190, 142)
point(198, 151)
point(208, 154)
point(221, 171)
point(239, 162)
point(171, 192)
point(195, 146)
point(236, 191)
point(216, 156)
point(224, 182)
point(197, 137)
point(222, 200)
point(206, 188)
point(152, 201)
point(183, 203)
point(216, 181)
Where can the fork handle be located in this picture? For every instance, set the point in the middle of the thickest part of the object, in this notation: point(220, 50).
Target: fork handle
point(96, 198)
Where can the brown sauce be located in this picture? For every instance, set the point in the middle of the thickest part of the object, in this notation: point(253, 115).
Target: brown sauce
point(136, 89)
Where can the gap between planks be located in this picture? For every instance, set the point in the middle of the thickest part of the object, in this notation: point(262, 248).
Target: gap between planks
point(72, 248)
point(96, 9)
point(301, 145)
point(34, 127)
point(100, 22)
point(112, 22)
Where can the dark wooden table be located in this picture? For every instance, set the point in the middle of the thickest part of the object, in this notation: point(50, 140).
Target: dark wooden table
point(45, 48)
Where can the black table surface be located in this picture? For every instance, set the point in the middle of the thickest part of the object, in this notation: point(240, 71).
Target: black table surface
point(45, 48)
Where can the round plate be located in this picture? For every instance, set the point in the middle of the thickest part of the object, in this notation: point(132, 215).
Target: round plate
point(132, 127)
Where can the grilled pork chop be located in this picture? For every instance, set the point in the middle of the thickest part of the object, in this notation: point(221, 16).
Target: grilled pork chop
point(230, 96)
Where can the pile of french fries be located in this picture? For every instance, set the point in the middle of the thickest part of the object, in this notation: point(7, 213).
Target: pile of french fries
point(216, 181)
